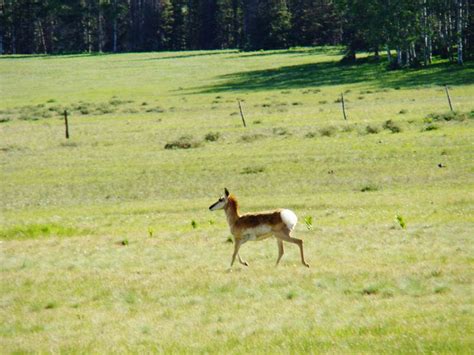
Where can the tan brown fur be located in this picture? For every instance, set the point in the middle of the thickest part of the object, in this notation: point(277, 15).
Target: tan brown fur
point(257, 226)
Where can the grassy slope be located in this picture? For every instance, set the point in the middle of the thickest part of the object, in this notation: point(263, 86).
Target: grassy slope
point(372, 286)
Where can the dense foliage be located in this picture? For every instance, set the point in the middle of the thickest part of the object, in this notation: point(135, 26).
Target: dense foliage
point(415, 29)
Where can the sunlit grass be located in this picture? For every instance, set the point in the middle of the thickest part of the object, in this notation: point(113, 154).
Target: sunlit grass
point(107, 243)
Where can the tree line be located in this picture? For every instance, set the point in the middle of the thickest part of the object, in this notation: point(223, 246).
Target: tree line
point(410, 32)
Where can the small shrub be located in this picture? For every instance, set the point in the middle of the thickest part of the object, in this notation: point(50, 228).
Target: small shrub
point(280, 131)
point(212, 136)
point(372, 129)
point(51, 305)
point(155, 109)
point(311, 135)
point(322, 102)
point(50, 101)
point(253, 170)
point(104, 109)
point(448, 116)
point(124, 242)
point(194, 224)
point(184, 142)
point(116, 102)
point(257, 122)
point(327, 131)
point(370, 290)
point(430, 127)
point(4, 119)
point(392, 126)
point(369, 188)
point(441, 289)
point(291, 295)
point(296, 103)
point(403, 111)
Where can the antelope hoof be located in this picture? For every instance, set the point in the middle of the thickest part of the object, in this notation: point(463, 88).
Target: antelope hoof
point(306, 264)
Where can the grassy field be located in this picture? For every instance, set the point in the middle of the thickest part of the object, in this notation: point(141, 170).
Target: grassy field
point(107, 243)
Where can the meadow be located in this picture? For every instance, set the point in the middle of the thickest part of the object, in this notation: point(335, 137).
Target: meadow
point(107, 243)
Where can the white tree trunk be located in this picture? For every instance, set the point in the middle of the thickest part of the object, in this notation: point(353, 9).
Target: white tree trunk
point(459, 31)
point(115, 28)
point(389, 55)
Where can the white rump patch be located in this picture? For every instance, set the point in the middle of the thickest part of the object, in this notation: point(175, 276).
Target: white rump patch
point(289, 218)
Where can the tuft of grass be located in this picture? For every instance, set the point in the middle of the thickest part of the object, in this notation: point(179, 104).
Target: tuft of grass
point(369, 188)
point(403, 111)
point(370, 290)
point(151, 231)
point(280, 131)
point(253, 170)
point(311, 135)
point(69, 144)
point(449, 116)
point(194, 224)
point(212, 136)
point(249, 138)
point(430, 127)
point(36, 231)
point(372, 129)
point(184, 142)
point(328, 131)
point(401, 221)
point(440, 289)
point(291, 295)
point(392, 126)
point(51, 305)
point(308, 221)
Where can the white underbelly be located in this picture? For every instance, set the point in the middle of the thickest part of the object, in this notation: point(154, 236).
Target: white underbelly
point(258, 233)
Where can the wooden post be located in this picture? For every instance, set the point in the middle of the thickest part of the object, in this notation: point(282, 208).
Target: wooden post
point(449, 98)
point(241, 113)
point(66, 124)
point(343, 107)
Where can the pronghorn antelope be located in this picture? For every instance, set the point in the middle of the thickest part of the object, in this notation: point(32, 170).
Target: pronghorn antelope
point(258, 226)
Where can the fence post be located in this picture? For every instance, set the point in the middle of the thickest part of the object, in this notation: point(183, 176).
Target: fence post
point(241, 113)
point(449, 98)
point(66, 124)
point(343, 106)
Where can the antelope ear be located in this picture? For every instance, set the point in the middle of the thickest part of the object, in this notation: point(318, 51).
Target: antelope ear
point(226, 192)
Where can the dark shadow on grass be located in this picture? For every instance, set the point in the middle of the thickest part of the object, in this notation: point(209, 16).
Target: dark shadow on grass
point(332, 73)
point(55, 56)
point(188, 54)
point(328, 50)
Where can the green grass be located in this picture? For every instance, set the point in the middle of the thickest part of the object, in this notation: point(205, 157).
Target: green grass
point(107, 243)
